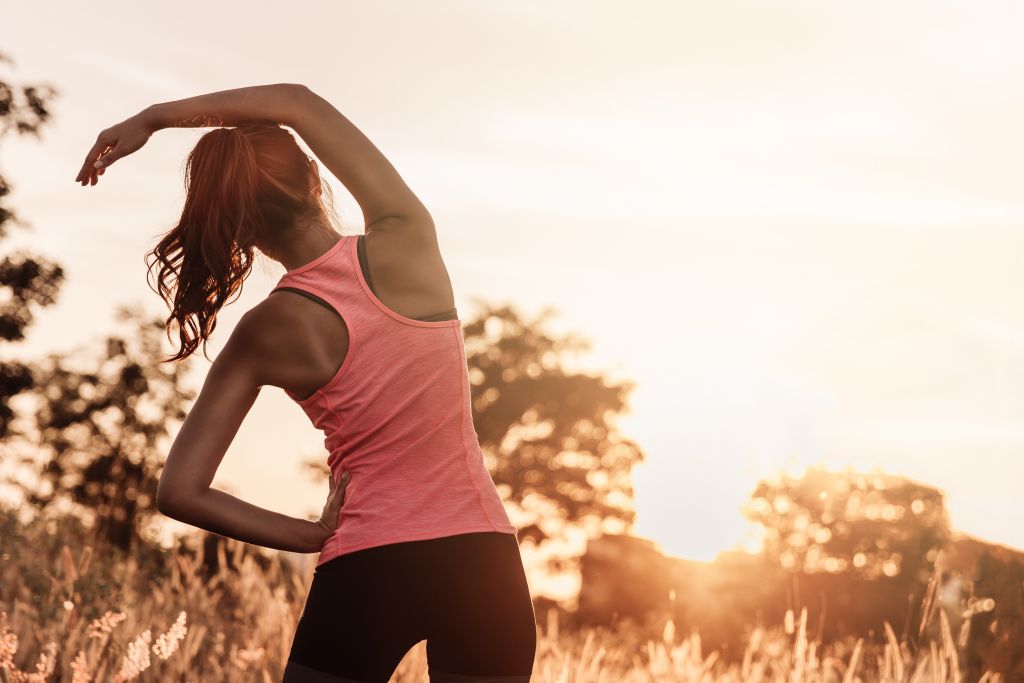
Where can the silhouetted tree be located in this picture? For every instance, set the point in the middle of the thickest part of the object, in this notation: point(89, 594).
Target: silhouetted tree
point(27, 281)
point(548, 432)
point(869, 524)
point(102, 418)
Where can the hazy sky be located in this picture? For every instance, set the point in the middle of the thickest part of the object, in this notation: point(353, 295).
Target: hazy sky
point(796, 225)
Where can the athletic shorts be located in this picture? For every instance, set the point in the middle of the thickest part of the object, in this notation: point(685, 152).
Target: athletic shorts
point(466, 595)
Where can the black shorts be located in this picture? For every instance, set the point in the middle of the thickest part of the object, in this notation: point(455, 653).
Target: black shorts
point(466, 595)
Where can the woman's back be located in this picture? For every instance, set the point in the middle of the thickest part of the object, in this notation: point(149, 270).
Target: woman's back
point(395, 412)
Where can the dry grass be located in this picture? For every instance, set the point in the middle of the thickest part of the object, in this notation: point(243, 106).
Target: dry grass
point(84, 616)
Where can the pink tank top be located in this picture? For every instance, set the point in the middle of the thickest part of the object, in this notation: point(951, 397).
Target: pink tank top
point(397, 416)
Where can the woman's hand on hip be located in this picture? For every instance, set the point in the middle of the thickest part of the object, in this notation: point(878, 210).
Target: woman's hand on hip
point(112, 143)
point(331, 516)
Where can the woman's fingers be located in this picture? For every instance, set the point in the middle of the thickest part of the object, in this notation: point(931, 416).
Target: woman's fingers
point(340, 487)
point(90, 175)
point(86, 172)
point(331, 516)
point(109, 156)
point(100, 165)
point(338, 492)
point(102, 154)
point(89, 156)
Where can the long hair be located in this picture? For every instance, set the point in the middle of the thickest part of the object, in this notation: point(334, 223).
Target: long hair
point(245, 186)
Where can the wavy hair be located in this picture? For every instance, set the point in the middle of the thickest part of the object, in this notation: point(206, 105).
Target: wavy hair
point(246, 186)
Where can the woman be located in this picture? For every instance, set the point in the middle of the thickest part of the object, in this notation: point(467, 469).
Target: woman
point(362, 333)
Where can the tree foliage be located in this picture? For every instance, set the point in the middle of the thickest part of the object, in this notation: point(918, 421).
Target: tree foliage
point(102, 418)
point(869, 524)
point(547, 431)
point(27, 281)
point(95, 431)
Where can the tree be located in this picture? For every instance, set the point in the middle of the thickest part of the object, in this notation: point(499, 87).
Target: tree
point(27, 281)
point(547, 432)
point(98, 419)
point(869, 524)
point(101, 420)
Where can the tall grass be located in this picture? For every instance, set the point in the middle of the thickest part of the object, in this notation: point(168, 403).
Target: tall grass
point(72, 613)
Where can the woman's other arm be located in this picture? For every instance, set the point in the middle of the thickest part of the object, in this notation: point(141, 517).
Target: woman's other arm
point(247, 362)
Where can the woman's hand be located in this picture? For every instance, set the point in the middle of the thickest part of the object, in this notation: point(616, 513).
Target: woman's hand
point(331, 516)
point(113, 143)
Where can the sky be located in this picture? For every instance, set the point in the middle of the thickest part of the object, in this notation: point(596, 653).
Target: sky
point(797, 226)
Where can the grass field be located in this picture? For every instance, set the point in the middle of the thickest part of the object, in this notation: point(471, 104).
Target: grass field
point(72, 613)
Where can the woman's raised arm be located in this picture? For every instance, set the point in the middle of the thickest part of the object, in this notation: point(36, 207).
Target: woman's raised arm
point(374, 183)
point(336, 142)
point(271, 103)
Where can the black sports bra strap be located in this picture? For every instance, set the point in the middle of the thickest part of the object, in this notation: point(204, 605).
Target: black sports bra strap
point(309, 295)
point(364, 265)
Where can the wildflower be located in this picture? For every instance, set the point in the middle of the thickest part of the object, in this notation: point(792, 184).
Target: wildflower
point(246, 659)
point(80, 672)
point(47, 661)
point(669, 634)
point(106, 623)
point(8, 643)
point(167, 643)
point(136, 660)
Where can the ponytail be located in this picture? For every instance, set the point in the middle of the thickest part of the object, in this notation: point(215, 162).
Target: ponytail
point(245, 187)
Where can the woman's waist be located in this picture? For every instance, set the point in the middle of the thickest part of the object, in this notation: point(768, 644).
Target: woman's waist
point(380, 502)
point(440, 462)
